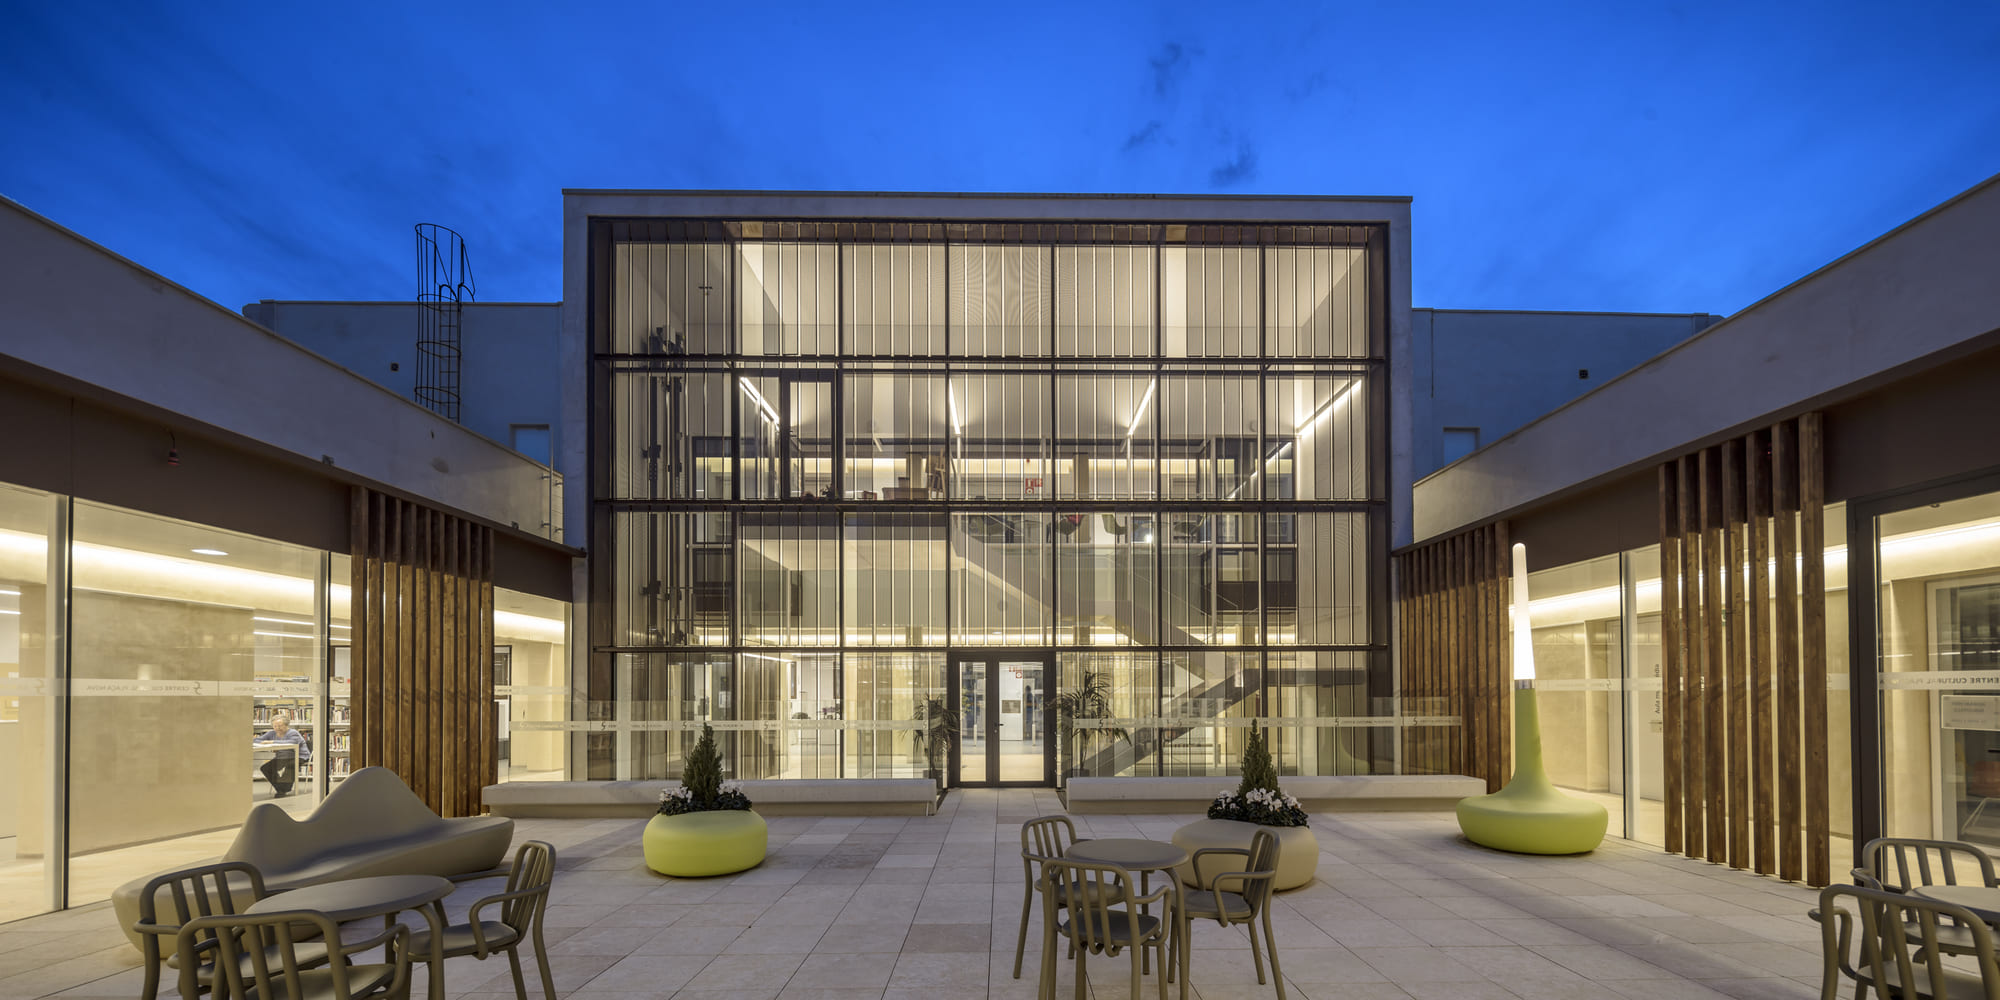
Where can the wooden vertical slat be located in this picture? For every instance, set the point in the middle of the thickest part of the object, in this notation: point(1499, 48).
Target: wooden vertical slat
point(1785, 505)
point(414, 612)
point(396, 624)
point(451, 690)
point(1694, 798)
point(1503, 647)
point(490, 765)
point(1812, 629)
point(364, 565)
point(1671, 666)
point(491, 775)
point(425, 687)
point(1735, 608)
point(1714, 688)
point(1758, 643)
point(1486, 635)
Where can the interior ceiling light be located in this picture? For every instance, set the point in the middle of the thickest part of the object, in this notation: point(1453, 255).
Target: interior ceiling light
point(208, 552)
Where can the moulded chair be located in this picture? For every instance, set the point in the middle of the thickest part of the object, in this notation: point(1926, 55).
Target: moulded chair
point(1899, 864)
point(1112, 526)
point(1898, 952)
point(1105, 915)
point(1043, 838)
point(522, 905)
point(202, 891)
point(264, 957)
point(1248, 903)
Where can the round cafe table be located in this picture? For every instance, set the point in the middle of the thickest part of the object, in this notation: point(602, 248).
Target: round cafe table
point(375, 896)
point(1982, 900)
point(1132, 854)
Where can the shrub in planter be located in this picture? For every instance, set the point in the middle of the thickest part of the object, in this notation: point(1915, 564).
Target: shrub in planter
point(1257, 798)
point(1235, 816)
point(704, 826)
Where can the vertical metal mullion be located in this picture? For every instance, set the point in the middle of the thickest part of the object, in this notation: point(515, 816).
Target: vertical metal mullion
point(57, 615)
point(1628, 626)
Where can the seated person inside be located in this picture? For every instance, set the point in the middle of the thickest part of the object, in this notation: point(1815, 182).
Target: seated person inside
point(282, 770)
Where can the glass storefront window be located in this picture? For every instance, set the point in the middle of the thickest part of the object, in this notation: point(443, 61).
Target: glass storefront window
point(530, 685)
point(31, 705)
point(1577, 613)
point(189, 647)
point(1320, 704)
point(1939, 622)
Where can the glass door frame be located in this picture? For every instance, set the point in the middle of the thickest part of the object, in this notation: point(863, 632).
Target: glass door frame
point(1864, 651)
point(954, 688)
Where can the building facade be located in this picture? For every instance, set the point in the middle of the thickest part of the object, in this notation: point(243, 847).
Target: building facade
point(1767, 565)
point(178, 568)
point(856, 462)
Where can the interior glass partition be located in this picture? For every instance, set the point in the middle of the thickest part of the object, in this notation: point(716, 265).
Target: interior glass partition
point(873, 459)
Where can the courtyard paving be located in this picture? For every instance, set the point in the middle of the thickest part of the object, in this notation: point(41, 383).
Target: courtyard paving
point(905, 908)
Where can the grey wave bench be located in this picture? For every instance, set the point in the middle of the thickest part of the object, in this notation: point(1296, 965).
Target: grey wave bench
point(371, 824)
point(769, 797)
point(1318, 794)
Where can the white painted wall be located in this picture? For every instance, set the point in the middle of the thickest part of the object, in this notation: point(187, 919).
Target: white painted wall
point(1926, 287)
point(79, 310)
point(507, 373)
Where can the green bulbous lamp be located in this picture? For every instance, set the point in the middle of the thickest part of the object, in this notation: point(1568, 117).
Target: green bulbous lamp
point(1529, 816)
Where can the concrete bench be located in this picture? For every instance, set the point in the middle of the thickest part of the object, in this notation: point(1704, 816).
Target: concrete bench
point(370, 824)
point(1318, 794)
point(771, 797)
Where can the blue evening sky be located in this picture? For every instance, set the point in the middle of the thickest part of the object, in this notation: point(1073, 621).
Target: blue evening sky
point(1647, 157)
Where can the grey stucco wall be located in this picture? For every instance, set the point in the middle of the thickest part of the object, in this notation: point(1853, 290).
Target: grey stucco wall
point(507, 375)
point(1924, 289)
point(80, 311)
point(1496, 371)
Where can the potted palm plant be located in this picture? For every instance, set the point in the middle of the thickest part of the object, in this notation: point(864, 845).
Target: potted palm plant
point(1090, 698)
point(704, 826)
point(937, 735)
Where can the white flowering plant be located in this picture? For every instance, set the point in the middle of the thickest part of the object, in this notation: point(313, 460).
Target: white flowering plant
point(702, 788)
point(1259, 806)
point(1257, 799)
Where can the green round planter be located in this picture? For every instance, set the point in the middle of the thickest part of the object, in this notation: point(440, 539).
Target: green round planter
point(1298, 850)
point(694, 845)
point(1530, 816)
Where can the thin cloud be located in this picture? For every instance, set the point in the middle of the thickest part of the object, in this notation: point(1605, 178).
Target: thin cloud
point(1237, 169)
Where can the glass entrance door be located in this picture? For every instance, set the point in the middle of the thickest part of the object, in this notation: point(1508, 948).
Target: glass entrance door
point(1001, 703)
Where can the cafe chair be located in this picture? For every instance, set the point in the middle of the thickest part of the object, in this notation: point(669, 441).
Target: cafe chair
point(169, 901)
point(1246, 900)
point(1897, 951)
point(1044, 838)
point(1105, 915)
point(267, 956)
point(1899, 864)
point(521, 907)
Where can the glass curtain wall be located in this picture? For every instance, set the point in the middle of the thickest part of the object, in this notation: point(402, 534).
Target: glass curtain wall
point(31, 703)
point(1598, 682)
point(1938, 629)
point(847, 450)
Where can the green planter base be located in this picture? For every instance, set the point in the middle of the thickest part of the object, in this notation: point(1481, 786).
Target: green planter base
point(1530, 816)
point(696, 845)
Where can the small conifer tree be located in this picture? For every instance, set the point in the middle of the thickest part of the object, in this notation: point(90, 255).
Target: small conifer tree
point(1258, 771)
point(702, 772)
